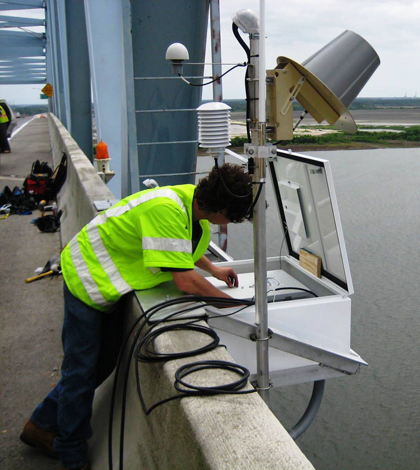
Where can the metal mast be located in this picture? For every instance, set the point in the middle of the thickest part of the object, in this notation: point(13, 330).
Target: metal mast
point(259, 152)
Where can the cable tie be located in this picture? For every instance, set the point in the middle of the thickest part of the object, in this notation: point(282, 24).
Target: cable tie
point(254, 337)
point(264, 388)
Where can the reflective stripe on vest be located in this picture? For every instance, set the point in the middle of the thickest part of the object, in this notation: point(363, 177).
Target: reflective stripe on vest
point(167, 244)
point(84, 275)
point(102, 254)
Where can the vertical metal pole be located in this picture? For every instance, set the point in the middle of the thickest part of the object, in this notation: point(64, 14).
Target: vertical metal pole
point(260, 238)
point(64, 65)
point(131, 182)
point(49, 57)
point(216, 52)
point(56, 62)
point(77, 85)
point(216, 55)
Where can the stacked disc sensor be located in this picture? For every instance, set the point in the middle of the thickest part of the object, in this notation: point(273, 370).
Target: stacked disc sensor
point(214, 125)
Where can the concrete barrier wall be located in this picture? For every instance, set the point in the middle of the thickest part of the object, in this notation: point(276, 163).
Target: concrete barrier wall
point(221, 432)
point(82, 187)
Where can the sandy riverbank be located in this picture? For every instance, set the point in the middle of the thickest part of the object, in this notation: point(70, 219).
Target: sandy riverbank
point(371, 117)
point(374, 117)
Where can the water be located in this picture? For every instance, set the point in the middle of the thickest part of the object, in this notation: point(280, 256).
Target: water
point(371, 420)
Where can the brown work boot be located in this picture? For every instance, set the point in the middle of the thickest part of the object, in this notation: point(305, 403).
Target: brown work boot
point(37, 437)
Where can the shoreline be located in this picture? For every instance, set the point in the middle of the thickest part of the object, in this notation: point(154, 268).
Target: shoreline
point(382, 119)
point(330, 147)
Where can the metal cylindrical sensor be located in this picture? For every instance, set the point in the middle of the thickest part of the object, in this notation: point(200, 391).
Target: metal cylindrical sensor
point(344, 65)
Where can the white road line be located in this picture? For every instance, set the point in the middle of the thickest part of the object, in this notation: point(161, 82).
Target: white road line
point(20, 128)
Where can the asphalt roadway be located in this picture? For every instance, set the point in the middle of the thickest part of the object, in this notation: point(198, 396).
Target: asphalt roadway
point(31, 314)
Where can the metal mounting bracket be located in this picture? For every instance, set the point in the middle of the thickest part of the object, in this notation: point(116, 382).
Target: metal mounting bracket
point(293, 95)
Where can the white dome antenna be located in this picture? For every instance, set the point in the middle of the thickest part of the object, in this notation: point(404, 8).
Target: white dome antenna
point(177, 53)
point(247, 21)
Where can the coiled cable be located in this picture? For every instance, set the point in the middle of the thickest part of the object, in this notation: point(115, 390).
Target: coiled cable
point(234, 387)
point(141, 322)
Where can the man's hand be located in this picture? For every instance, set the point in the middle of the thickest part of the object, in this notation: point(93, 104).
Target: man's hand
point(227, 275)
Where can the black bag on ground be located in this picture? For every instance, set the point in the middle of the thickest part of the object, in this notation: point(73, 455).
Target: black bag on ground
point(35, 185)
point(20, 202)
point(43, 183)
point(5, 196)
point(58, 178)
point(39, 168)
point(49, 223)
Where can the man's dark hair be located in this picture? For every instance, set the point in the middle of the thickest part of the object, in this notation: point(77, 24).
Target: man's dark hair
point(227, 189)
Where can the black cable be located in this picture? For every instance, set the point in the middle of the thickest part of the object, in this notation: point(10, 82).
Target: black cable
point(146, 410)
point(206, 391)
point(234, 387)
point(238, 196)
point(114, 390)
point(296, 288)
point(311, 411)
point(247, 97)
point(251, 207)
point(248, 104)
point(235, 31)
point(146, 317)
point(118, 366)
point(124, 400)
point(302, 116)
point(145, 354)
point(147, 314)
point(248, 101)
point(215, 79)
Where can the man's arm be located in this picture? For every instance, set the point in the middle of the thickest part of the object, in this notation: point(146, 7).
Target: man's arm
point(193, 283)
point(225, 274)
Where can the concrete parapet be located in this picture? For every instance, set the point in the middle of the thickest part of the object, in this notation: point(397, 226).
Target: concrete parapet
point(83, 186)
point(221, 432)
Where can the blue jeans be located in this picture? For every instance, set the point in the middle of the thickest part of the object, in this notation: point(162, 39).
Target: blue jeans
point(91, 341)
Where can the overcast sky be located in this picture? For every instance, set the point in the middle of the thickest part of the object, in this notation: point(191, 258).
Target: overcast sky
point(297, 29)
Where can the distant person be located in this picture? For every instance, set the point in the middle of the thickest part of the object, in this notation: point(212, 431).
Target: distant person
point(4, 125)
point(148, 238)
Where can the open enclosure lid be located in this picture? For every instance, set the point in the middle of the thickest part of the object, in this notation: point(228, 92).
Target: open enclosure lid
point(309, 211)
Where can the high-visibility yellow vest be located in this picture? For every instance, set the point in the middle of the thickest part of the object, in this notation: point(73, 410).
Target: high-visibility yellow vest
point(3, 115)
point(123, 248)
